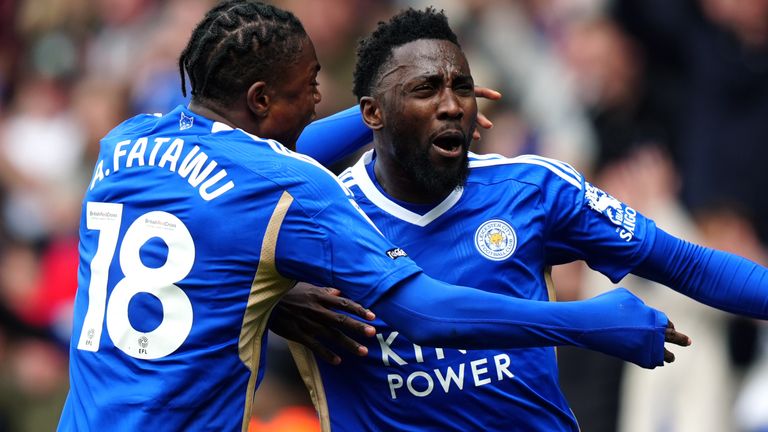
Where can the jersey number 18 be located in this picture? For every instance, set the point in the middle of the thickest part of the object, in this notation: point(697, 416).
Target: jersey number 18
point(159, 282)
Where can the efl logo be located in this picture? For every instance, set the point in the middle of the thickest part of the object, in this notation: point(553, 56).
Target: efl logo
point(396, 253)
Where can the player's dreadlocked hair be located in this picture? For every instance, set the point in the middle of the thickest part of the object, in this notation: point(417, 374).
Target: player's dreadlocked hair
point(407, 26)
point(236, 44)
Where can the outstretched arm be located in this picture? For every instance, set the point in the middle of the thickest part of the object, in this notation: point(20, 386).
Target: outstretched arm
point(332, 138)
point(716, 278)
point(617, 323)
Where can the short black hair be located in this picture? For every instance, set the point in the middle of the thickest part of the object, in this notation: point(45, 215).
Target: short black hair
point(407, 26)
point(237, 43)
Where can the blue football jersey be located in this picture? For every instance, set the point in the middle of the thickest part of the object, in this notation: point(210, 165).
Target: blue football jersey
point(190, 233)
point(501, 232)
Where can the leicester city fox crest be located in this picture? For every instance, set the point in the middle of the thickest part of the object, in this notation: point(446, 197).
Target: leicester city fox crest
point(186, 122)
point(495, 239)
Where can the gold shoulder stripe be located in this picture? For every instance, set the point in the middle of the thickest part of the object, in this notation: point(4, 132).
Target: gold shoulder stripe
point(310, 373)
point(267, 288)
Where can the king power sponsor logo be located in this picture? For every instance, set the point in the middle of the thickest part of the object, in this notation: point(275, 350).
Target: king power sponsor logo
point(470, 372)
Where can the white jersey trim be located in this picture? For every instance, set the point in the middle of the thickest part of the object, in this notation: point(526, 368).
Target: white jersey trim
point(364, 182)
point(220, 127)
point(561, 169)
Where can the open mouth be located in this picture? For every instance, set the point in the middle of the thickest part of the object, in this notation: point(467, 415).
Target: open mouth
point(449, 144)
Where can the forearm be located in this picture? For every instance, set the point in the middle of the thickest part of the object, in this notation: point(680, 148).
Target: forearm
point(330, 139)
point(433, 313)
point(716, 278)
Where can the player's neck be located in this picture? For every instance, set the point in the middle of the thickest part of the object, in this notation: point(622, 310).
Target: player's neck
point(213, 113)
point(230, 117)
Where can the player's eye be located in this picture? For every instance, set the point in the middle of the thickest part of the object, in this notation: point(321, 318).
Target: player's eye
point(464, 89)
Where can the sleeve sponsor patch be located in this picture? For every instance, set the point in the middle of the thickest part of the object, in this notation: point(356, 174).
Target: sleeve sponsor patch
point(620, 214)
point(396, 253)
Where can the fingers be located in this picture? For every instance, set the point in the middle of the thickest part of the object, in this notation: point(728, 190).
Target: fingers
point(319, 349)
point(332, 291)
point(485, 92)
point(673, 336)
point(669, 357)
point(334, 301)
point(347, 343)
point(483, 121)
point(349, 324)
point(317, 341)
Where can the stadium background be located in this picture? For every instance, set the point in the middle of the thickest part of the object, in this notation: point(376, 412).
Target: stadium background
point(663, 104)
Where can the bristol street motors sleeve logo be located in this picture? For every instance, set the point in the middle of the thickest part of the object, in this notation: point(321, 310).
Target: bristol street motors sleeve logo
point(396, 253)
point(496, 240)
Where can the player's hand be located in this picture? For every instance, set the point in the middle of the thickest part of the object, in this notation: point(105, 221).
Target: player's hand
point(482, 120)
point(675, 337)
point(308, 315)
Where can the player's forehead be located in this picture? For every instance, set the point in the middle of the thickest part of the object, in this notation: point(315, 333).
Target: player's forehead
point(428, 57)
point(307, 59)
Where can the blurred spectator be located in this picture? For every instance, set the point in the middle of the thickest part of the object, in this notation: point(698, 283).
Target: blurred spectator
point(41, 151)
point(335, 27)
point(661, 400)
point(752, 404)
point(521, 40)
point(156, 82)
point(282, 403)
point(709, 62)
point(124, 27)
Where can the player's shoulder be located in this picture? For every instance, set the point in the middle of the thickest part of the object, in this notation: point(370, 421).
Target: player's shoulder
point(532, 169)
point(270, 157)
point(136, 125)
point(301, 175)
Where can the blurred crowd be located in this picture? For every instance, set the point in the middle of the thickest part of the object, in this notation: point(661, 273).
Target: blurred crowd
point(664, 104)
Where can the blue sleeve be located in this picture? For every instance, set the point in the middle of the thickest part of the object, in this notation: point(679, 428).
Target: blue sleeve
point(434, 313)
point(330, 139)
point(586, 223)
point(325, 239)
point(716, 278)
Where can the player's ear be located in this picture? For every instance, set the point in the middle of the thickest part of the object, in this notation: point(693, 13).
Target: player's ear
point(258, 99)
point(371, 111)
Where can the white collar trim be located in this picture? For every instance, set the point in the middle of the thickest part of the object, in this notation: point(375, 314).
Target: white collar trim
point(370, 190)
point(220, 127)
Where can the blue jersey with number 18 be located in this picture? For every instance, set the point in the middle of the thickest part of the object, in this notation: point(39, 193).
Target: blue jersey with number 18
point(190, 233)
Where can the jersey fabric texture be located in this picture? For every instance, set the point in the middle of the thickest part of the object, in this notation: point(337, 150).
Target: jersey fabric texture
point(512, 220)
point(190, 233)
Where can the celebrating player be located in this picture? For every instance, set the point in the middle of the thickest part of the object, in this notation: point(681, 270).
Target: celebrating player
point(196, 222)
point(488, 222)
